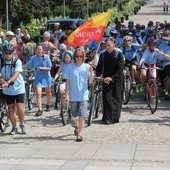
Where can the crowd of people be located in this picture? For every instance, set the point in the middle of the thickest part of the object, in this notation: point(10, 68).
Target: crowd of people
point(138, 45)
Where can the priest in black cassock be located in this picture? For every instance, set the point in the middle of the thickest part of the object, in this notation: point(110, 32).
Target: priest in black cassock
point(110, 67)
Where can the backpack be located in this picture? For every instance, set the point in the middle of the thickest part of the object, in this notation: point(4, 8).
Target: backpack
point(124, 49)
point(13, 64)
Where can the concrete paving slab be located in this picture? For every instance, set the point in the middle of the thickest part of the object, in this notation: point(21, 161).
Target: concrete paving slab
point(74, 165)
point(153, 153)
point(86, 151)
point(103, 164)
point(116, 152)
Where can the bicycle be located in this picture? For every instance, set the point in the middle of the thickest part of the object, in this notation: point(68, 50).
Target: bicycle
point(151, 91)
point(127, 81)
point(95, 100)
point(29, 88)
point(65, 108)
point(4, 115)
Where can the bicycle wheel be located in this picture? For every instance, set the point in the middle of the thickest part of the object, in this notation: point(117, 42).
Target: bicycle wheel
point(98, 104)
point(65, 111)
point(127, 89)
point(92, 109)
point(4, 121)
point(30, 96)
point(153, 96)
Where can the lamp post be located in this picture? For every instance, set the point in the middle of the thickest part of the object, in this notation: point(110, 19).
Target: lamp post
point(102, 5)
point(87, 9)
point(64, 4)
point(7, 19)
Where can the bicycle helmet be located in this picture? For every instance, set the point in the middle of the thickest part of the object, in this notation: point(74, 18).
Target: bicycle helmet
point(9, 48)
point(151, 29)
point(127, 38)
point(130, 23)
point(152, 41)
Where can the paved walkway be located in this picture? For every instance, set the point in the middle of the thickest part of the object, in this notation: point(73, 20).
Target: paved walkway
point(140, 141)
point(153, 11)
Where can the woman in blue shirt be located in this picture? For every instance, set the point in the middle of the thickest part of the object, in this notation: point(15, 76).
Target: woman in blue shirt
point(77, 75)
point(13, 94)
point(42, 65)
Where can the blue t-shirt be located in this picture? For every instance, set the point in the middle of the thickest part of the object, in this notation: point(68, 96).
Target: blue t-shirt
point(130, 52)
point(151, 58)
point(166, 50)
point(7, 71)
point(42, 77)
point(78, 81)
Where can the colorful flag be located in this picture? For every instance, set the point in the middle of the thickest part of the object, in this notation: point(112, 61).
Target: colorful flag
point(93, 29)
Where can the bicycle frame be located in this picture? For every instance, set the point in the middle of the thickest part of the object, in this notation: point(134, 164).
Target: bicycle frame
point(29, 87)
point(151, 90)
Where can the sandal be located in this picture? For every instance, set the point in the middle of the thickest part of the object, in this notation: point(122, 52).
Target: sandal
point(79, 138)
point(76, 131)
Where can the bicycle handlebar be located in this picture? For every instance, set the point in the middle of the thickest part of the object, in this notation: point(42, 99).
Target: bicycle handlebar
point(10, 84)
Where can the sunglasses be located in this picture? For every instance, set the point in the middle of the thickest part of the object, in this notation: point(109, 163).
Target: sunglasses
point(153, 45)
point(8, 53)
point(127, 40)
point(79, 56)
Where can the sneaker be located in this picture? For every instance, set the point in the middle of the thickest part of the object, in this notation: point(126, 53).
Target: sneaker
point(14, 131)
point(142, 89)
point(137, 90)
point(23, 129)
point(159, 101)
point(133, 83)
point(39, 113)
point(47, 108)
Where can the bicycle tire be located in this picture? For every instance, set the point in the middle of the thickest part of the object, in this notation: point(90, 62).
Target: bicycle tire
point(153, 97)
point(30, 96)
point(127, 89)
point(98, 105)
point(92, 109)
point(65, 111)
point(4, 121)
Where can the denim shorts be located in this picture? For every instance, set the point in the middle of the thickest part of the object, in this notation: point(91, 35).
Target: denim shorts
point(79, 109)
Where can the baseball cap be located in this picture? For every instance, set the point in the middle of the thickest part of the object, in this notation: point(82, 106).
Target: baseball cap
point(18, 29)
point(10, 33)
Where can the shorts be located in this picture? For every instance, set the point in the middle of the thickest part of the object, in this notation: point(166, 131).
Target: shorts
point(167, 71)
point(153, 72)
point(132, 62)
point(20, 98)
point(79, 109)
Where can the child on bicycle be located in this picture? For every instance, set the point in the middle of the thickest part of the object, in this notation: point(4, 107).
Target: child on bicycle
point(149, 59)
point(66, 59)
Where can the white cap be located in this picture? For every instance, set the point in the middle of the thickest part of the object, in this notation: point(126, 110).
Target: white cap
point(10, 33)
point(18, 29)
point(56, 24)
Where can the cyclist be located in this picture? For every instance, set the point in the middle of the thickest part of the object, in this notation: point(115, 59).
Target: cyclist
point(13, 94)
point(66, 59)
point(149, 59)
point(129, 50)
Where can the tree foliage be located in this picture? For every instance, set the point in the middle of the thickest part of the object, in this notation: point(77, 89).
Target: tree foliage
point(23, 11)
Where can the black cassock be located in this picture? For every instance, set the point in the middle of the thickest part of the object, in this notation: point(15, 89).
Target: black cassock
point(111, 65)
